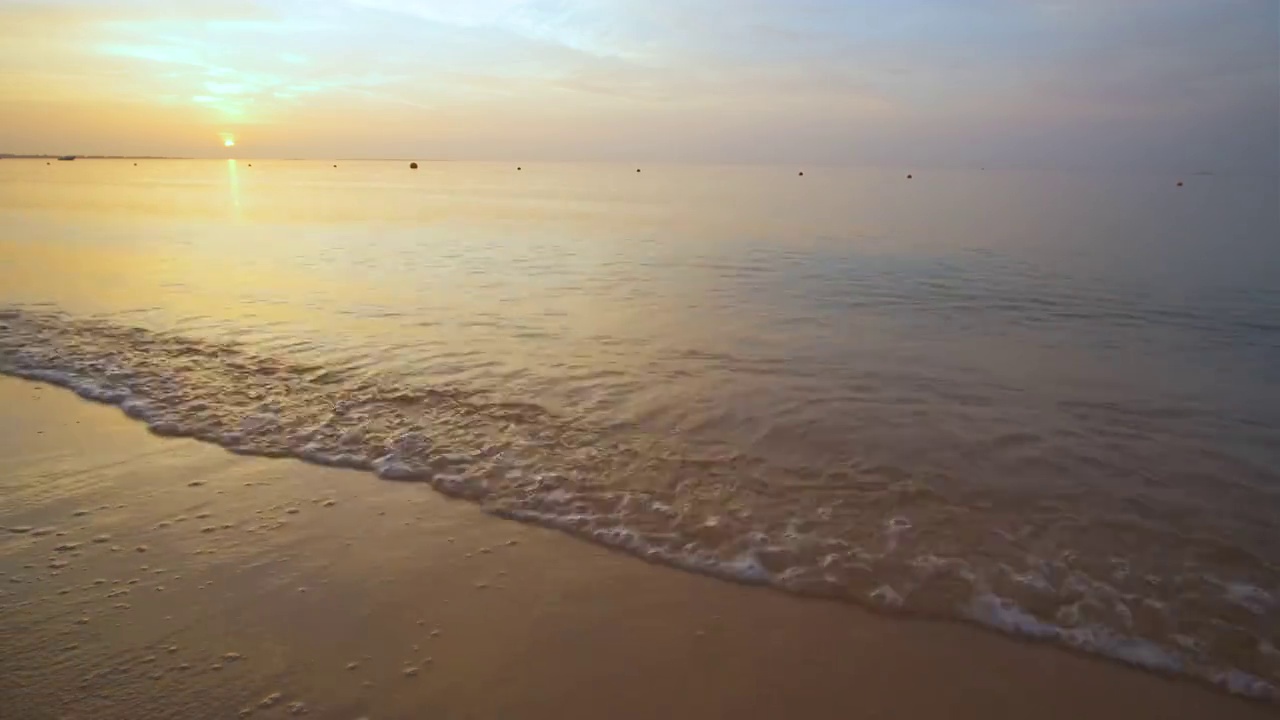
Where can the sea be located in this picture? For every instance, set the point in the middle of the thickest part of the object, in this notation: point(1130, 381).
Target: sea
point(1047, 403)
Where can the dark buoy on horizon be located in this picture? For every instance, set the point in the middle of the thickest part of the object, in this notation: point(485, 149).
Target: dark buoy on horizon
point(413, 166)
point(335, 166)
point(908, 176)
point(1179, 183)
point(637, 169)
point(801, 173)
point(519, 168)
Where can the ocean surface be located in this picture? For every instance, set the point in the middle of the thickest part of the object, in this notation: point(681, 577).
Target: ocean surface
point(1046, 403)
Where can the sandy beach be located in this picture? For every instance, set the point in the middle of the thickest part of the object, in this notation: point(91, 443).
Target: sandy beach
point(606, 360)
point(158, 578)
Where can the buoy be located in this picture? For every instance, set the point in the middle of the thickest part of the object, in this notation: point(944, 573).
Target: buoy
point(1179, 183)
point(908, 176)
point(519, 168)
point(335, 166)
point(801, 173)
point(637, 169)
point(413, 166)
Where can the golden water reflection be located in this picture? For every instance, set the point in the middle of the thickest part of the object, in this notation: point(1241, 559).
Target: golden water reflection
point(233, 182)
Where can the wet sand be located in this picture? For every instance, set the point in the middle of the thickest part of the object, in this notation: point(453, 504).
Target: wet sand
point(159, 578)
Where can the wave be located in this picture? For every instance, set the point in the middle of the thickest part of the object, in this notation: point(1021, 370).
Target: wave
point(894, 545)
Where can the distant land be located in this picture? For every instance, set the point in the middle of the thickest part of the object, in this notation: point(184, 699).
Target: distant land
point(17, 156)
point(14, 156)
point(22, 156)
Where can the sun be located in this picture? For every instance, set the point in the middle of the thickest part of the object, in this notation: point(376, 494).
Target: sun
point(228, 142)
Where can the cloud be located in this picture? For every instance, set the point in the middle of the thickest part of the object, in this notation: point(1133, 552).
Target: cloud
point(1103, 82)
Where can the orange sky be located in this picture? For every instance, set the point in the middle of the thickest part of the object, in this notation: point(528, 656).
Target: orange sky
point(1132, 83)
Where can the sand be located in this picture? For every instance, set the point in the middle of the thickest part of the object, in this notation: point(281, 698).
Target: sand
point(160, 578)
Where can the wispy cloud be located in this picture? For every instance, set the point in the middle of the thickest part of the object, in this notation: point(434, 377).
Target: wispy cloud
point(1107, 82)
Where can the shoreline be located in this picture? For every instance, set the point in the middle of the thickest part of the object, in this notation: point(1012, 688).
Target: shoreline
point(283, 574)
point(411, 454)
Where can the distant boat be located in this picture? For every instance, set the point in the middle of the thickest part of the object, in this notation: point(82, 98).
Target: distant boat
point(67, 157)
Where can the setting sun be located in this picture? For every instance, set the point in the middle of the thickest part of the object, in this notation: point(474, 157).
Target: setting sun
point(825, 356)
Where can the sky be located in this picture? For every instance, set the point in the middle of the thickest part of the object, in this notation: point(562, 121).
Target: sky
point(1178, 85)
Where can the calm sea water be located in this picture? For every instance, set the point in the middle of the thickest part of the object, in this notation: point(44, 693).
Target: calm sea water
point(1048, 403)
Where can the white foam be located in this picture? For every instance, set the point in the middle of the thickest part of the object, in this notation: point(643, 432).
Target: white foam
point(1188, 643)
point(1243, 683)
point(410, 442)
point(928, 565)
point(344, 424)
point(319, 455)
point(893, 530)
point(1030, 579)
point(1068, 615)
point(621, 537)
point(1250, 597)
point(886, 596)
point(557, 496)
point(454, 458)
point(1003, 614)
point(257, 422)
point(137, 408)
point(85, 387)
point(662, 508)
point(459, 485)
point(391, 467)
point(746, 568)
point(1135, 651)
point(166, 427)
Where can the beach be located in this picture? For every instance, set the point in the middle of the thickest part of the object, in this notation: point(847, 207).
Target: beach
point(512, 359)
point(767, 442)
point(167, 578)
